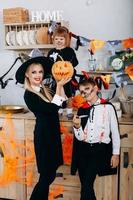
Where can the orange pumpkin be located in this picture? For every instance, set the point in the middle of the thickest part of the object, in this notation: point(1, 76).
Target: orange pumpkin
point(62, 69)
point(77, 101)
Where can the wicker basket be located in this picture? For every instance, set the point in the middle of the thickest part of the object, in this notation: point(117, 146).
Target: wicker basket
point(127, 107)
point(15, 15)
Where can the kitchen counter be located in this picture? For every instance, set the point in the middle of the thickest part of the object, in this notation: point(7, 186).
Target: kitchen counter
point(30, 115)
point(22, 130)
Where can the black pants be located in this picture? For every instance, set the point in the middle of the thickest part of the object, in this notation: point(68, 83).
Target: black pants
point(92, 159)
point(41, 189)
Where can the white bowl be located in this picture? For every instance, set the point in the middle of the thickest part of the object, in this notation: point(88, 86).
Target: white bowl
point(19, 38)
point(32, 36)
point(13, 38)
point(25, 38)
point(8, 38)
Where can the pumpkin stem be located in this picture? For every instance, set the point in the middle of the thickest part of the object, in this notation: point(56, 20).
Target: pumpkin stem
point(60, 57)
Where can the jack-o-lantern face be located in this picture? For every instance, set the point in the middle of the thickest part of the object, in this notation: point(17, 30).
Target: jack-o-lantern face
point(62, 69)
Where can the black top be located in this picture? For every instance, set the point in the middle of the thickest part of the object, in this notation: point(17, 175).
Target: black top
point(47, 139)
point(67, 54)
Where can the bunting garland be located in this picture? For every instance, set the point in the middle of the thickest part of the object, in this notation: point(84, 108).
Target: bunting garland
point(129, 71)
point(120, 56)
point(94, 44)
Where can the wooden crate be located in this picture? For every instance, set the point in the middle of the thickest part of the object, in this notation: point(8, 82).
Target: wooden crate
point(15, 15)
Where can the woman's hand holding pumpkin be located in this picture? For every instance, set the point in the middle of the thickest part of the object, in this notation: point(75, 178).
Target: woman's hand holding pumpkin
point(60, 88)
point(63, 81)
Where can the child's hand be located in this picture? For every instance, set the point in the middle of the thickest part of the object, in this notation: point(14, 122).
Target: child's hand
point(114, 161)
point(76, 121)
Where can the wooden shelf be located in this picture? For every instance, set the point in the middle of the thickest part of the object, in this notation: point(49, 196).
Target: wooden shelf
point(27, 26)
point(63, 23)
point(130, 82)
point(101, 72)
point(43, 46)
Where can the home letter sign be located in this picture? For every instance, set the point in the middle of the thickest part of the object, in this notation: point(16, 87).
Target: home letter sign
point(46, 16)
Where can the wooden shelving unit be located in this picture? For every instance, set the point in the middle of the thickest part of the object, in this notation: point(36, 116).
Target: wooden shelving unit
point(28, 47)
point(100, 72)
point(18, 27)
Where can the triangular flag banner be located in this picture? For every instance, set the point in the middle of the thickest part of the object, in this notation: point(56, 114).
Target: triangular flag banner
point(52, 27)
point(97, 44)
point(83, 41)
point(128, 43)
point(129, 71)
point(106, 80)
point(114, 42)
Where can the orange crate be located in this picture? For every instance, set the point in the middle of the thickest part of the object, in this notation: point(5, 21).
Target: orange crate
point(15, 15)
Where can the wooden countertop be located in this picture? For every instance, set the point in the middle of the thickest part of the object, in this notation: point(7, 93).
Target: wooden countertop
point(23, 115)
point(125, 120)
point(29, 115)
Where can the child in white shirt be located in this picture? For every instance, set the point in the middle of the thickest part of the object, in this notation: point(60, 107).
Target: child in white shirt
point(96, 144)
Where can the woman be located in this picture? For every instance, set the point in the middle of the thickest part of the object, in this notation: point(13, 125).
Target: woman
point(47, 140)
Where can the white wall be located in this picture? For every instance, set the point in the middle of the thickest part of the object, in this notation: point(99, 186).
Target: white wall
point(102, 19)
